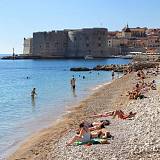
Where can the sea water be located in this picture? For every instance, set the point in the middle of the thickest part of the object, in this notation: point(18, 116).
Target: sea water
point(21, 115)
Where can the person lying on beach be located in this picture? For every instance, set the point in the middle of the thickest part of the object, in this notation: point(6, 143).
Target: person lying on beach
point(138, 91)
point(122, 115)
point(137, 94)
point(118, 113)
point(102, 134)
point(145, 89)
point(96, 125)
point(153, 85)
point(106, 114)
point(141, 74)
point(85, 135)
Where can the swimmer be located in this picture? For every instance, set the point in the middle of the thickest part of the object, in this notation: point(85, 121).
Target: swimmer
point(73, 82)
point(33, 93)
point(112, 73)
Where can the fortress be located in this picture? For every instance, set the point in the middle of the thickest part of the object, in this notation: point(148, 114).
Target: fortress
point(95, 42)
point(69, 43)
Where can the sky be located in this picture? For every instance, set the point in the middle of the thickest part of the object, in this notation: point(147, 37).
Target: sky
point(20, 18)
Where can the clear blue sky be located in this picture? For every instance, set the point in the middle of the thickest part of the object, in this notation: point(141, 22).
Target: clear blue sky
point(20, 18)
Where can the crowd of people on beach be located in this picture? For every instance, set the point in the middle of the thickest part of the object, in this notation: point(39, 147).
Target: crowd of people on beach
point(141, 86)
point(97, 131)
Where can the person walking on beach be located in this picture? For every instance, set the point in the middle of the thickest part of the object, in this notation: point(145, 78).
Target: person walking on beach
point(33, 93)
point(73, 83)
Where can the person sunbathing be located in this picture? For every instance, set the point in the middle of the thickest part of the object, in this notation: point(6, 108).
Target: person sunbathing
point(122, 115)
point(134, 94)
point(138, 91)
point(131, 95)
point(153, 86)
point(95, 125)
point(118, 113)
point(141, 74)
point(84, 135)
point(102, 133)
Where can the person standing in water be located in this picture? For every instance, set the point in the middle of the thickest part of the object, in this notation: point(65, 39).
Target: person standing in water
point(73, 82)
point(33, 93)
point(112, 74)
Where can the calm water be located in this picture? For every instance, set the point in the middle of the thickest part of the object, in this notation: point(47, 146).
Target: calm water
point(20, 115)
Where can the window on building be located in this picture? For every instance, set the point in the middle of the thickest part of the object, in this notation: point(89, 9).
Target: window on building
point(47, 45)
point(87, 44)
point(99, 38)
point(99, 44)
point(87, 38)
point(64, 44)
point(75, 38)
point(56, 44)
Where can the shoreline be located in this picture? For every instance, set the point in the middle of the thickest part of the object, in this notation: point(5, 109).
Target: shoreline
point(37, 143)
point(22, 57)
point(32, 127)
point(134, 139)
point(68, 110)
point(12, 149)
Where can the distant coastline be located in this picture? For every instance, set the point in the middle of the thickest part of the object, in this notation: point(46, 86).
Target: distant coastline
point(4, 55)
point(17, 57)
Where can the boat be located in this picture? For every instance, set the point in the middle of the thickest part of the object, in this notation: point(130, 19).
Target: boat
point(129, 56)
point(88, 57)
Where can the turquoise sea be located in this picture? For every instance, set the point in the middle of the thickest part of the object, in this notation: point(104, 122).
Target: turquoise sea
point(20, 115)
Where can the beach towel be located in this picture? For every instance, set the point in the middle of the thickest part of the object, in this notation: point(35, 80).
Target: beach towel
point(92, 141)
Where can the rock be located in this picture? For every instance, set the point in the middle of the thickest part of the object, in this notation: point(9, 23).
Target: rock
point(80, 69)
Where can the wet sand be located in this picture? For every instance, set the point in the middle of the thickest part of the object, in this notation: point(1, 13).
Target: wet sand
point(110, 97)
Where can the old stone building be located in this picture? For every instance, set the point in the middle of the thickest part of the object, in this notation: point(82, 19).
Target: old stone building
point(88, 42)
point(70, 43)
point(133, 32)
point(50, 43)
point(27, 46)
point(95, 42)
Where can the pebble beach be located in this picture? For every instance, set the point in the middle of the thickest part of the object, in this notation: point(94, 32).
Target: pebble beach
point(134, 139)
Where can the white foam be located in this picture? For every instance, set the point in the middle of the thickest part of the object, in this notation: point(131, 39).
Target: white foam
point(100, 86)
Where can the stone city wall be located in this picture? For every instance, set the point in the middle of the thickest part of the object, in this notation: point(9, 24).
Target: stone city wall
point(72, 43)
point(27, 46)
point(50, 43)
point(88, 42)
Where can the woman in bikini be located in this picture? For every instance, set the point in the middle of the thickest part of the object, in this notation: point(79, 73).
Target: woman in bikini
point(118, 113)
